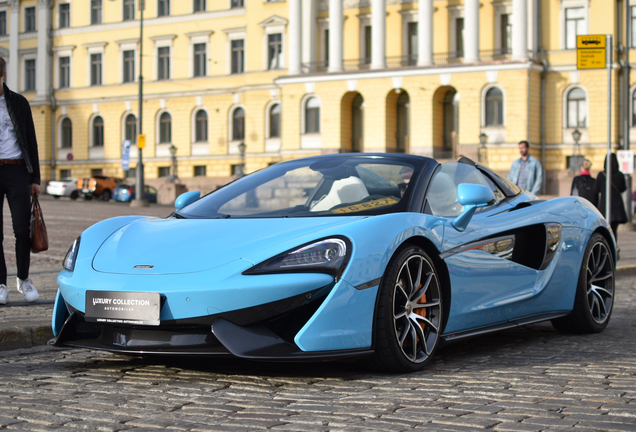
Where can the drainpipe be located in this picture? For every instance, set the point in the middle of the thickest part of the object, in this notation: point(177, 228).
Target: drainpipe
point(52, 97)
point(544, 72)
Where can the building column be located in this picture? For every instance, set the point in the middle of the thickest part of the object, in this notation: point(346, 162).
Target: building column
point(310, 31)
point(13, 79)
point(336, 39)
point(378, 34)
point(519, 30)
point(43, 61)
point(471, 31)
point(425, 33)
point(295, 37)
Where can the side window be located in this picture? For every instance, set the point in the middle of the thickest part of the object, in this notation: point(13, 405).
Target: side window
point(441, 197)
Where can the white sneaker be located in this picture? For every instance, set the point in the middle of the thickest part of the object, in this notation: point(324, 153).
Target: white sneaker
point(4, 294)
point(28, 290)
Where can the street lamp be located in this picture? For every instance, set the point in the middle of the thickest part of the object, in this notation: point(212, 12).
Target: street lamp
point(483, 151)
point(575, 162)
point(241, 149)
point(140, 199)
point(173, 157)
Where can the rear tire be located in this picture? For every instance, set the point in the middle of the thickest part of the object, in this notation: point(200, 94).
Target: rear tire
point(56, 196)
point(409, 313)
point(74, 195)
point(594, 299)
point(106, 195)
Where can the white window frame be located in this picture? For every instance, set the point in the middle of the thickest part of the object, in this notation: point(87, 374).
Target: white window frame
point(90, 14)
point(193, 125)
point(235, 34)
point(502, 8)
point(408, 16)
point(128, 45)
point(61, 149)
point(162, 42)
point(567, 131)
point(310, 140)
point(24, 8)
point(364, 20)
point(323, 26)
point(496, 134)
point(233, 144)
point(158, 131)
point(123, 124)
point(57, 15)
point(58, 52)
point(273, 145)
point(567, 4)
point(455, 12)
point(95, 48)
point(95, 152)
point(30, 54)
point(135, 11)
point(170, 5)
point(202, 37)
point(274, 25)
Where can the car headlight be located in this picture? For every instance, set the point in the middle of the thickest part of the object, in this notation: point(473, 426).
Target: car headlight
point(329, 255)
point(71, 255)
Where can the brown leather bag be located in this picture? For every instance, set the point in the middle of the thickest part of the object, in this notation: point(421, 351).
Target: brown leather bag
point(39, 237)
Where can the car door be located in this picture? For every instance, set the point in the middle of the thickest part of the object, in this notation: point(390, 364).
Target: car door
point(486, 282)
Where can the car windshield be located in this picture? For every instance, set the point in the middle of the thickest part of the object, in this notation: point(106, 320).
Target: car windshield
point(330, 186)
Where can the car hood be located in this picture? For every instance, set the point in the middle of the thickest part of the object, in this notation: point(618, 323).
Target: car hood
point(172, 246)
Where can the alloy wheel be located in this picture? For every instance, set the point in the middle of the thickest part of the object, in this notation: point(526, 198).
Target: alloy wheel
point(600, 283)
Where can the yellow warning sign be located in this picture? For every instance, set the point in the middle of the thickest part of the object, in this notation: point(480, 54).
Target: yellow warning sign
point(590, 52)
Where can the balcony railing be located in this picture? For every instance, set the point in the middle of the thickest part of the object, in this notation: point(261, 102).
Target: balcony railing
point(449, 58)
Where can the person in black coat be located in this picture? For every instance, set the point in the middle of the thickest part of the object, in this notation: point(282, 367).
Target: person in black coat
point(618, 215)
point(583, 184)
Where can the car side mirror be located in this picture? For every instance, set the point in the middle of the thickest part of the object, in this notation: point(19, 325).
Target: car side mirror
point(186, 198)
point(471, 196)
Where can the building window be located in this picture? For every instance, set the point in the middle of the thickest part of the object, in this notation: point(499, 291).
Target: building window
point(96, 11)
point(505, 29)
point(163, 172)
point(411, 38)
point(29, 19)
point(198, 6)
point(96, 69)
point(238, 124)
point(200, 59)
point(201, 126)
point(65, 174)
point(274, 121)
point(67, 133)
point(29, 75)
point(574, 25)
point(494, 107)
point(163, 63)
point(274, 51)
point(312, 115)
point(65, 72)
point(237, 4)
point(200, 170)
point(634, 109)
point(165, 128)
point(96, 172)
point(64, 15)
point(3, 22)
point(98, 132)
point(459, 37)
point(129, 66)
point(576, 108)
point(326, 47)
point(163, 8)
point(130, 128)
point(633, 26)
point(238, 56)
point(129, 10)
point(367, 45)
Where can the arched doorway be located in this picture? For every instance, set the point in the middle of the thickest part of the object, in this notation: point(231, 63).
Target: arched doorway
point(445, 122)
point(403, 123)
point(352, 123)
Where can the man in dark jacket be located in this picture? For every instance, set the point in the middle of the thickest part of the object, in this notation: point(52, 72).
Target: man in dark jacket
point(618, 186)
point(19, 181)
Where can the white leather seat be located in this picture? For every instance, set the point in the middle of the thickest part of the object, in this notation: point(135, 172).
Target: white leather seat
point(343, 191)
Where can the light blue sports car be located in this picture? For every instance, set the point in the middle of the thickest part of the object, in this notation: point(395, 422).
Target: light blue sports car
point(372, 255)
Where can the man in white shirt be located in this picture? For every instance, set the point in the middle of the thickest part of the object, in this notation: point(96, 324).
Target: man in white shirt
point(19, 181)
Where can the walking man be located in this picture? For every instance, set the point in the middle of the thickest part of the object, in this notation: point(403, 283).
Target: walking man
point(19, 180)
point(526, 172)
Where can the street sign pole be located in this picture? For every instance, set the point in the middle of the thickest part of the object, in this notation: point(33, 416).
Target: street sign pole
point(140, 200)
point(608, 161)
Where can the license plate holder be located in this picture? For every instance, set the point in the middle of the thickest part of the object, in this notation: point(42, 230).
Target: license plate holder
point(123, 307)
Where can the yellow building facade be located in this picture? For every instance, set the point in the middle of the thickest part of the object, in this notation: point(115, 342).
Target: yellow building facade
point(296, 78)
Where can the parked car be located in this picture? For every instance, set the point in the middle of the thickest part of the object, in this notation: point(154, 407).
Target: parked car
point(64, 187)
point(98, 186)
point(386, 257)
point(125, 192)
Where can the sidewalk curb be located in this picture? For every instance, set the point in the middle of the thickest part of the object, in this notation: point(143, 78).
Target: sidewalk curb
point(626, 270)
point(24, 337)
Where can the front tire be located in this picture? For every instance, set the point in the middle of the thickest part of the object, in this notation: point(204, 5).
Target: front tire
point(409, 314)
point(594, 299)
point(106, 195)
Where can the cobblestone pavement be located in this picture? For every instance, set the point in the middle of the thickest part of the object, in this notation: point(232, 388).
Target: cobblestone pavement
point(525, 379)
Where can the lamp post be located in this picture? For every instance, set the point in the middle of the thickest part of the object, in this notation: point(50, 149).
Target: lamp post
point(140, 199)
point(241, 149)
point(483, 151)
point(576, 152)
point(173, 157)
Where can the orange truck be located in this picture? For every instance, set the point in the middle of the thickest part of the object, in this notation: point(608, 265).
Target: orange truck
point(98, 186)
